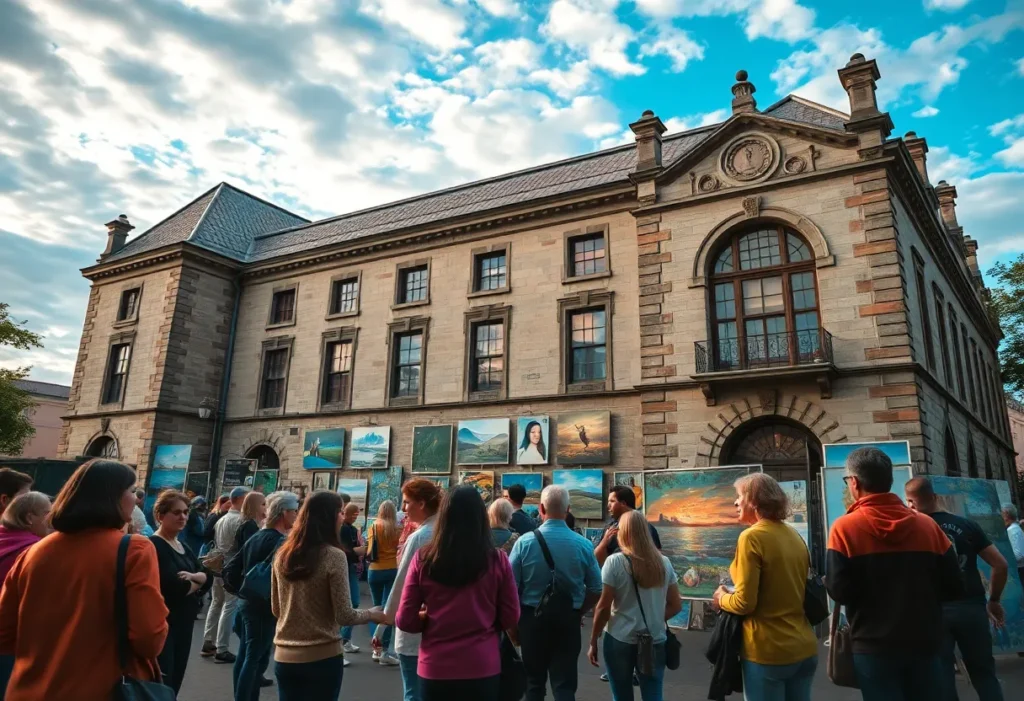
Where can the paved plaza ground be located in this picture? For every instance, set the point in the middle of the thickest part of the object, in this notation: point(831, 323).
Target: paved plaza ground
point(366, 681)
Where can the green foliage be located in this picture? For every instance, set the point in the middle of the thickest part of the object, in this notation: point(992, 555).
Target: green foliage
point(15, 427)
point(1008, 303)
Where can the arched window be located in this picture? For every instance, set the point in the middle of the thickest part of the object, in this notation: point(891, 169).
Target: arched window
point(952, 457)
point(765, 300)
point(265, 457)
point(988, 467)
point(102, 447)
point(972, 461)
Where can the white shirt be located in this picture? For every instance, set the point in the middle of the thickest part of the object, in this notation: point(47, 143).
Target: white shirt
point(1016, 542)
point(407, 643)
point(626, 621)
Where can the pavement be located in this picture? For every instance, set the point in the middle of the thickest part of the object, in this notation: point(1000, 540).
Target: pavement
point(366, 681)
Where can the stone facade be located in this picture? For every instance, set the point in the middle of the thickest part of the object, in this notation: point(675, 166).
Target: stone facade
point(875, 234)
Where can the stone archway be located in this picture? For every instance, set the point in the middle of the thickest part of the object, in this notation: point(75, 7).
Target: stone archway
point(265, 456)
point(103, 446)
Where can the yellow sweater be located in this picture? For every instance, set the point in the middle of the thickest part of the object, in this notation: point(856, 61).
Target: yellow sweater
point(387, 549)
point(770, 572)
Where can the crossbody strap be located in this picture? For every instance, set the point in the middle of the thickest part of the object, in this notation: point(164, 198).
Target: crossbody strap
point(547, 553)
point(121, 602)
point(636, 588)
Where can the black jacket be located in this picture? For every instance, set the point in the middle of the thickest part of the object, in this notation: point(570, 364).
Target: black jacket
point(210, 525)
point(256, 549)
point(521, 522)
point(724, 653)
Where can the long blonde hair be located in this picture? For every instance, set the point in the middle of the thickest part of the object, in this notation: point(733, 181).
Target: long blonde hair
point(386, 525)
point(636, 543)
point(251, 507)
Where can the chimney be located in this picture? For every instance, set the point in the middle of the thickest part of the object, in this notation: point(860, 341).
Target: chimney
point(946, 195)
point(971, 258)
point(648, 130)
point(743, 94)
point(873, 127)
point(918, 147)
point(117, 234)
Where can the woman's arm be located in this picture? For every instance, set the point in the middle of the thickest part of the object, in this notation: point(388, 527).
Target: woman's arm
point(173, 588)
point(508, 596)
point(602, 612)
point(275, 593)
point(743, 600)
point(673, 602)
point(147, 614)
point(341, 597)
point(408, 616)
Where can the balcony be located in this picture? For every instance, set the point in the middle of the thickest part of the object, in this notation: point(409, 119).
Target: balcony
point(766, 357)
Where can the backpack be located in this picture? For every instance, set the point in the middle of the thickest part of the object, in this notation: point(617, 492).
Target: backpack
point(556, 602)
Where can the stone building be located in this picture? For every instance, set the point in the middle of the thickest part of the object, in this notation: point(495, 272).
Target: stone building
point(1015, 411)
point(739, 293)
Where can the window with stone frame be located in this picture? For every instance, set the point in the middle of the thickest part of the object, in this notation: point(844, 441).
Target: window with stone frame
point(486, 330)
point(274, 379)
point(587, 254)
point(407, 355)
point(922, 303)
point(764, 300)
point(282, 306)
point(940, 321)
point(128, 308)
point(413, 285)
point(490, 271)
point(982, 390)
point(344, 296)
point(957, 355)
point(337, 372)
point(116, 376)
point(586, 342)
point(967, 361)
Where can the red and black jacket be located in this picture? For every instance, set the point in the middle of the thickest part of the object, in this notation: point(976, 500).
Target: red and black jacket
point(892, 568)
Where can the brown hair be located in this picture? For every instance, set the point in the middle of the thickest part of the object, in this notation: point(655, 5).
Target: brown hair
point(165, 502)
point(316, 526)
point(12, 482)
point(92, 497)
point(421, 489)
point(765, 495)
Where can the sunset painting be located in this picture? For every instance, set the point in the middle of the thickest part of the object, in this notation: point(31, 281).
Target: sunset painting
point(584, 438)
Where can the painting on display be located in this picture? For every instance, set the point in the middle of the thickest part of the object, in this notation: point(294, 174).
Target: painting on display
point(836, 453)
point(594, 535)
point(265, 481)
point(370, 446)
point(533, 446)
point(695, 515)
point(681, 621)
point(323, 449)
point(796, 493)
point(585, 438)
point(586, 491)
point(431, 450)
point(236, 472)
point(482, 442)
point(838, 499)
point(533, 482)
point(633, 480)
point(483, 480)
point(696, 616)
point(442, 482)
point(322, 481)
point(170, 465)
point(980, 501)
point(356, 490)
point(385, 485)
point(197, 484)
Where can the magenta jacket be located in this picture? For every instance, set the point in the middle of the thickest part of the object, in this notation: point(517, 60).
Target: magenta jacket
point(12, 544)
point(460, 636)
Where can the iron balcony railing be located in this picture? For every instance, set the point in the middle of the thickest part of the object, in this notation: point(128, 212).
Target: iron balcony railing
point(773, 350)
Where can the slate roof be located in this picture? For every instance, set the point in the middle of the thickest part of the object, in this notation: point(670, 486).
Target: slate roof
point(43, 389)
point(797, 109)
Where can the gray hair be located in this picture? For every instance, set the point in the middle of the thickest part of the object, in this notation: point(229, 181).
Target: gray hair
point(500, 513)
point(555, 499)
point(278, 503)
point(1008, 511)
point(872, 468)
point(16, 514)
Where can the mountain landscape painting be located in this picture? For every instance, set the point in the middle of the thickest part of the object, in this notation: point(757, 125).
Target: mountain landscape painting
point(482, 442)
point(532, 482)
point(586, 491)
point(483, 480)
point(431, 450)
point(370, 446)
point(585, 438)
point(324, 449)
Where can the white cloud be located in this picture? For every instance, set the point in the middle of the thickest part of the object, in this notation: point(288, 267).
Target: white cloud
point(498, 64)
point(1012, 133)
point(988, 207)
point(945, 5)
point(925, 112)
point(430, 21)
point(591, 26)
point(943, 164)
point(674, 43)
point(564, 82)
point(673, 125)
point(1020, 66)
point(784, 20)
point(1005, 126)
point(499, 8)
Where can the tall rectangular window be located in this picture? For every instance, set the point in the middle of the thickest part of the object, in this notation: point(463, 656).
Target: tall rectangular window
point(488, 356)
point(337, 372)
point(491, 272)
point(282, 307)
point(940, 320)
point(970, 372)
point(979, 382)
point(275, 368)
point(117, 373)
point(926, 324)
point(344, 296)
point(412, 284)
point(588, 255)
point(589, 351)
point(406, 364)
point(956, 354)
point(129, 306)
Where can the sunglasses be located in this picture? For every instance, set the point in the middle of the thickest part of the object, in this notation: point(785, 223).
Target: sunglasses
point(847, 478)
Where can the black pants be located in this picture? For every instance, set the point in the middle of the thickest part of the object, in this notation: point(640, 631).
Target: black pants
point(174, 657)
point(550, 650)
point(485, 689)
point(310, 681)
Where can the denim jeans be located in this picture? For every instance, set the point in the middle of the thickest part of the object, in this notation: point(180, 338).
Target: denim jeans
point(898, 676)
point(380, 582)
point(779, 682)
point(310, 681)
point(967, 628)
point(255, 640)
point(410, 677)
point(353, 587)
point(620, 661)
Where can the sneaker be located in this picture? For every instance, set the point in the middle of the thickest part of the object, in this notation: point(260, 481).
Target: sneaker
point(209, 650)
point(603, 677)
point(224, 658)
point(264, 682)
point(388, 660)
point(375, 656)
point(349, 647)
point(345, 662)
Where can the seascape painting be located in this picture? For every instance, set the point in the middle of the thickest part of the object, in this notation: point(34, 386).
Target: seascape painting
point(442, 482)
point(533, 482)
point(356, 489)
point(796, 492)
point(323, 449)
point(633, 480)
point(370, 446)
point(533, 444)
point(170, 467)
point(838, 499)
point(322, 481)
point(431, 450)
point(681, 621)
point(265, 481)
point(836, 453)
point(586, 491)
point(694, 513)
point(482, 442)
point(483, 480)
point(384, 485)
point(172, 457)
point(585, 438)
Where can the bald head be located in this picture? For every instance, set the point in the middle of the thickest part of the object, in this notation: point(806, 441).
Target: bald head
point(921, 495)
point(351, 512)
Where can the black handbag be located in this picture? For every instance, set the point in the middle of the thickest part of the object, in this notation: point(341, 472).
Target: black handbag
point(673, 648)
point(129, 688)
point(815, 596)
point(513, 673)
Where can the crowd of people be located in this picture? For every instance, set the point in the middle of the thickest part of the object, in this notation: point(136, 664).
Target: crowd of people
point(479, 603)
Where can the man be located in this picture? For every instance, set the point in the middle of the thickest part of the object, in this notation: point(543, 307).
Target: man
point(621, 500)
point(192, 534)
point(965, 619)
point(1016, 535)
point(12, 484)
point(551, 641)
point(521, 522)
point(220, 617)
point(353, 551)
point(892, 568)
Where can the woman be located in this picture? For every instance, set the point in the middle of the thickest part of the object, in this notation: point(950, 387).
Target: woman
point(500, 515)
point(183, 582)
point(780, 652)
point(638, 567)
point(532, 450)
point(309, 596)
point(467, 587)
point(383, 541)
point(254, 513)
point(222, 506)
point(192, 535)
point(57, 604)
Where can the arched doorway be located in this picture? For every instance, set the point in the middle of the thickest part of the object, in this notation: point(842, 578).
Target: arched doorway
point(952, 457)
point(102, 447)
point(265, 457)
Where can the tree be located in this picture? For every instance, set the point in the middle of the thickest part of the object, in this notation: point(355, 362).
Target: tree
point(1008, 303)
point(15, 427)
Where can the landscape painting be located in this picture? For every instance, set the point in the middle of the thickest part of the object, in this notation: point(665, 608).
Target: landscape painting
point(483, 480)
point(197, 484)
point(796, 492)
point(170, 467)
point(442, 482)
point(586, 491)
point(836, 453)
point(322, 481)
point(694, 513)
point(633, 480)
point(384, 485)
point(172, 457)
point(980, 501)
point(681, 621)
point(534, 448)
point(585, 438)
point(431, 450)
point(370, 446)
point(482, 442)
point(838, 499)
point(533, 482)
point(265, 481)
point(356, 489)
point(323, 449)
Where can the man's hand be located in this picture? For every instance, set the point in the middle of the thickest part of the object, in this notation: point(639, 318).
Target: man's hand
point(996, 614)
point(609, 532)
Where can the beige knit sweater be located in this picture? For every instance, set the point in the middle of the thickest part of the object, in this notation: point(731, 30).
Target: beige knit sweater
point(310, 612)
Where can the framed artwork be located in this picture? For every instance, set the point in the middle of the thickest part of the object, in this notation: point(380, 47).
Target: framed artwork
point(323, 449)
point(322, 481)
point(585, 438)
point(586, 491)
point(483, 480)
point(533, 482)
point(534, 448)
point(796, 493)
point(170, 467)
point(385, 484)
point(356, 489)
point(482, 442)
point(594, 535)
point(836, 453)
point(696, 616)
point(442, 482)
point(431, 450)
point(236, 473)
point(710, 615)
point(370, 445)
point(197, 484)
point(681, 621)
point(633, 480)
point(265, 481)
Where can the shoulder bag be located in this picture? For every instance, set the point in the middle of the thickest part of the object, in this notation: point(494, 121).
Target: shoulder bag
point(371, 551)
point(815, 594)
point(555, 603)
point(256, 583)
point(840, 653)
point(129, 688)
point(672, 645)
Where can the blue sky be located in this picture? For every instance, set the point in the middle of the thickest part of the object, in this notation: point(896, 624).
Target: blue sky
point(325, 106)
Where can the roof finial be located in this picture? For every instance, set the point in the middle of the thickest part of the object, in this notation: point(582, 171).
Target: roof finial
point(743, 94)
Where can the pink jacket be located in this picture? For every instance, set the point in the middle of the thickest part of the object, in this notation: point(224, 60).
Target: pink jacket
point(12, 544)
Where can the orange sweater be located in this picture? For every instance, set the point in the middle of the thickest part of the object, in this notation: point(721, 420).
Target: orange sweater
point(57, 616)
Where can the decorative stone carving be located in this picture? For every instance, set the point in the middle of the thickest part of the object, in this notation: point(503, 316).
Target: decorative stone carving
point(794, 165)
point(752, 206)
point(708, 183)
point(750, 158)
point(767, 399)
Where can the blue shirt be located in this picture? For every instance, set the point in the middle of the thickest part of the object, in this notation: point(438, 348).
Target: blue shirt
point(575, 564)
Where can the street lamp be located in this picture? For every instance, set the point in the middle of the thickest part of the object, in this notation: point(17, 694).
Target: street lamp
point(206, 408)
